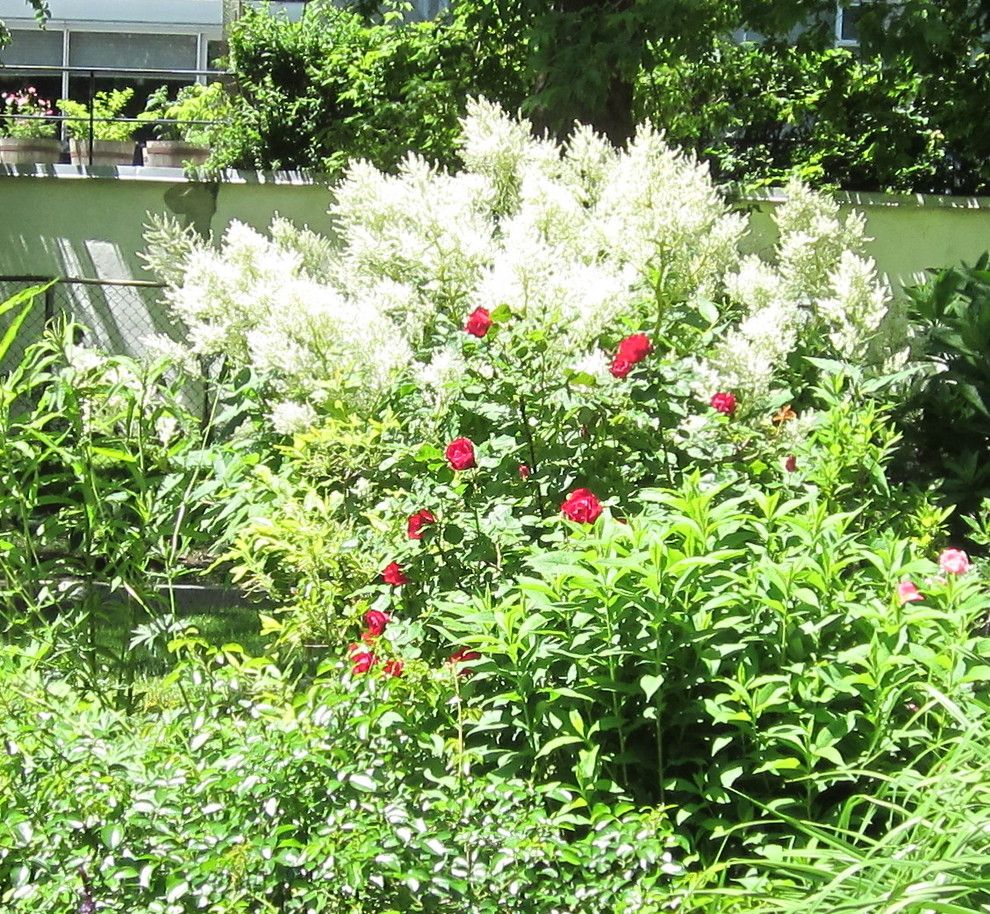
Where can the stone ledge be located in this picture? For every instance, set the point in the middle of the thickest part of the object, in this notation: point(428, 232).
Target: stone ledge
point(164, 175)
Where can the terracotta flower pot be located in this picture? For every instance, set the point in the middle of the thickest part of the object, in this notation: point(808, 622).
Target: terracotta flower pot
point(173, 154)
point(29, 151)
point(105, 152)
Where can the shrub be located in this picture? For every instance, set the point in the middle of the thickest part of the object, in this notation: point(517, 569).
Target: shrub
point(950, 313)
point(106, 106)
point(349, 804)
point(761, 113)
point(334, 87)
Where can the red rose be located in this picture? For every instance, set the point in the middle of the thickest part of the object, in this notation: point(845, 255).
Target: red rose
point(362, 659)
point(524, 471)
point(635, 348)
point(790, 463)
point(463, 655)
point(620, 367)
point(460, 454)
point(582, 506)
point(393, 668)
point(416, 522)
point(479, 322)
point(394, 575)
point(376, 621)
point(724, 402)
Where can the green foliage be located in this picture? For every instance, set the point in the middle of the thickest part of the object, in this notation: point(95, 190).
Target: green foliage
point(333, 87)
point(98, 458)
point(347, 803)
point(717, 651)
point(192, 108)
point(106, 106)
point(947, 416)
point(762, 112)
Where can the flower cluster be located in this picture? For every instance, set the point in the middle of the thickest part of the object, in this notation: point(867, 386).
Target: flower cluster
point(363, 656)
point(953, 562)
point(818, 284)
point(32, 111)
point(632, 350)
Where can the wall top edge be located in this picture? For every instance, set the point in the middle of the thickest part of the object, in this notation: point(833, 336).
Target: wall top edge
point(161, 175)
point(773, 195)
point(777, 195)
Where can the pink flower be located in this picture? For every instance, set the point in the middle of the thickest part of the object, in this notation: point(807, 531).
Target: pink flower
point(953, 561)
point(394, 575)
point(582, 506)
point(416, 523)
point(479, 322)
point(790, 463)
point(724, 402)
point(907, 592)
point(393, 668)
point(524, 472)
point(376, 620)
point(460, 454)
point(362, 658)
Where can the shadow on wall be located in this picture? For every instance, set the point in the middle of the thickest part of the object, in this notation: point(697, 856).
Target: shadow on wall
point(93, 230)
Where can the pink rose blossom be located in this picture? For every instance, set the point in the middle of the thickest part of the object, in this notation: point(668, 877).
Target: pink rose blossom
point(953, 561)
point(907, 592)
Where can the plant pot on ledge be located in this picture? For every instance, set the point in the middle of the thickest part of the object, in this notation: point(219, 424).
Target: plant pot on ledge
point(29, 151)
point(174, 154)
point(105, 152)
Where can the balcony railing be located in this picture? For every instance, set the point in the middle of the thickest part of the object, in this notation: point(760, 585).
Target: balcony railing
point(92, 74)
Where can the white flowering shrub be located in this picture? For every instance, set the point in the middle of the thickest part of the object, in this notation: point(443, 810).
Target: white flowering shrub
point(572, 245)
point(819, 296)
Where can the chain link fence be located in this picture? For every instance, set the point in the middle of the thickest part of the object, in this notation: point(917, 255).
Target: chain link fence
point(118, 317)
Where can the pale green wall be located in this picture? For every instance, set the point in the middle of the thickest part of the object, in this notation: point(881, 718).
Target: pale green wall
point(910, 233)
point(92, 227)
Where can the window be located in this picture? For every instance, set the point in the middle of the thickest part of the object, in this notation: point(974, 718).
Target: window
point(847, 25)
point(34, 47)
point(157, 52)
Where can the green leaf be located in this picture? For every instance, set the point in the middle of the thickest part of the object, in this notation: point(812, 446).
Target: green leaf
point(650, 685)
point(363, 782)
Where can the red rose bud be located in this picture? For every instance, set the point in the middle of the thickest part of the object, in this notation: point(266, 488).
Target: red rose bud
point(479, 322)
point(620, 367)
point(394, 575)
point(524, 471)
point(463, 655)
point(582, 506)
point(460, 454)
point(416, 523)
point(634, 348)
point(790, 463)
point(376, 620)
point(724, 402)
point(361, 658)
point(393, 668)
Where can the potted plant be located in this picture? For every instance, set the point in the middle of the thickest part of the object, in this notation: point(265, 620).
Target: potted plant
point(183, 126)
point(113, 140)
point(31, 141)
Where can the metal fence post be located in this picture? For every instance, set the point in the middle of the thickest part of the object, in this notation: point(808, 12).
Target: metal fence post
point(49, 305)
point(92, 98)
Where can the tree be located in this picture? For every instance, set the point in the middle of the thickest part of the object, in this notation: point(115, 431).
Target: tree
point(583, 56)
